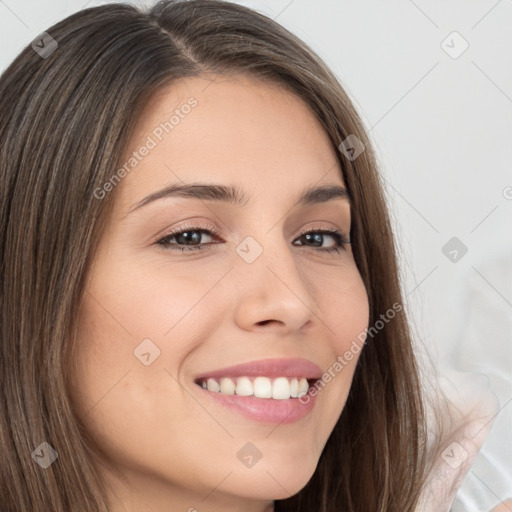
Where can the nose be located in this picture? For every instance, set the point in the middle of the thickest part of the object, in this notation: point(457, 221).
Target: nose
point(273, 292)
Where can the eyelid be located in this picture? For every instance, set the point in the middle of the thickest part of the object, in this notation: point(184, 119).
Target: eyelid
point(319, 227)
point(197, 226)
point(337, 234)
point(188, 226)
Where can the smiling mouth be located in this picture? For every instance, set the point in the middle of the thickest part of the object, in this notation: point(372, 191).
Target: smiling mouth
point(279, 388)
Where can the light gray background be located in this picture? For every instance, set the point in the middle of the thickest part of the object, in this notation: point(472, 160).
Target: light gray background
point(442, 128)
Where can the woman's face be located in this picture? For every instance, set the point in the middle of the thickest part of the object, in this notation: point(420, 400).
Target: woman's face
point(163, 313)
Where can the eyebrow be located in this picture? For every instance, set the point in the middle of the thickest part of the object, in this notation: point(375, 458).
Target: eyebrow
point(233, 195)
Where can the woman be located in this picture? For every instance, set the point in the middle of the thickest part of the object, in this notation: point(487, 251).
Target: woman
point(200, 301)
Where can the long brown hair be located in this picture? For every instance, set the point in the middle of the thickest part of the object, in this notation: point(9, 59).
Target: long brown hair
point(65, 121)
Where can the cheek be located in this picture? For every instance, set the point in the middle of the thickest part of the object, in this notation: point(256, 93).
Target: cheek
point(346, 315)
point(345, 309)
point(152, 302)
point(123, 309)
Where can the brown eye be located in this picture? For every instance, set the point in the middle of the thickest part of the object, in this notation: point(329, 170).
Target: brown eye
point(317, 237)
point(188, 238)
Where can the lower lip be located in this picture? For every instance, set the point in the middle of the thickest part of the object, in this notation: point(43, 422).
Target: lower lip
point(264, 410)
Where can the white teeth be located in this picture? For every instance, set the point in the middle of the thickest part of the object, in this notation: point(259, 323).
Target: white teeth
point(262, 387)
point(227, 387)
point(294, 388)
point(280, 388)
point(303, 387)
point(244, 387)
point(213, 385)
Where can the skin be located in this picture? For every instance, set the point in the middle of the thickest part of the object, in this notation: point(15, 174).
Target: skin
point(208, 309)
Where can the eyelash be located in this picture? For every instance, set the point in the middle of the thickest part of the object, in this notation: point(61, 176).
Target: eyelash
point(340, 238)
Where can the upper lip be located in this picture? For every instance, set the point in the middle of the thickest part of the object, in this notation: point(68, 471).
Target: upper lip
point(290, 367)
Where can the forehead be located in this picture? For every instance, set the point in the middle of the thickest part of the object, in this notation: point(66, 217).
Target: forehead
point(230, 129)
